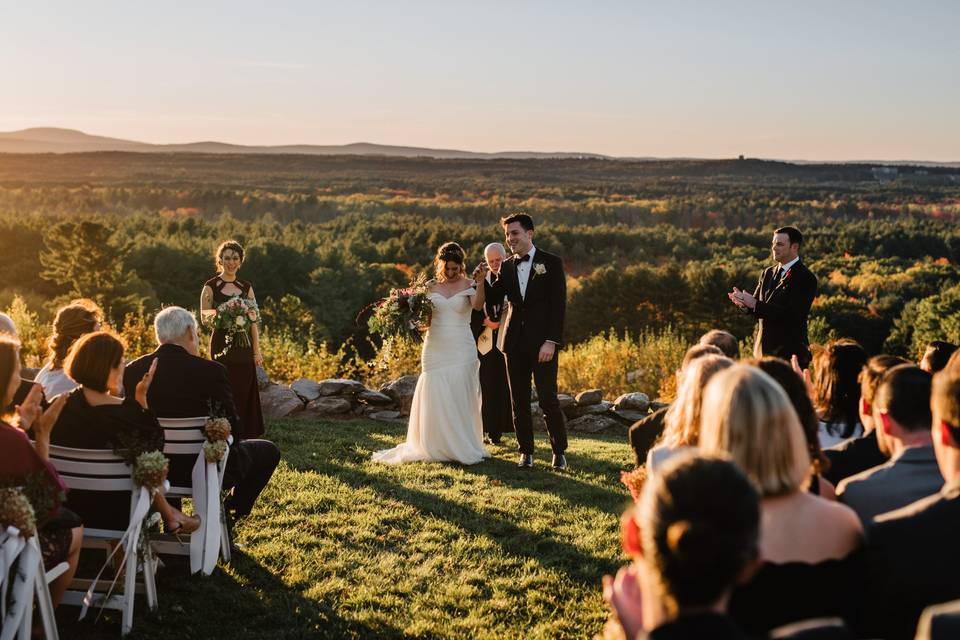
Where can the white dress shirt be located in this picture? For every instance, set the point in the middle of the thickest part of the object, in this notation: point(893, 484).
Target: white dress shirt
point(523, 271)
point(783, 269)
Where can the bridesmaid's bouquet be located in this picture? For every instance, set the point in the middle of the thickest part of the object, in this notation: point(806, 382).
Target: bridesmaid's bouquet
point(405, 313)
point(235, 317)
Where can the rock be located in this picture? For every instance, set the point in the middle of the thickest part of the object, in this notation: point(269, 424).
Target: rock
point(588, 397)
point(632, 402)
point(306, 389)
point(263, 380)
point(591, 409)
point(566, 401)
point(374, 397)
point(339, 386)
point(595, 424)
point(535, 410)
point(401, 392)
point(386, 416)
point(533, 394)
point(328, 407)
point(629, 416)
point(656, 406)
point(633, 376)
point(279, 401)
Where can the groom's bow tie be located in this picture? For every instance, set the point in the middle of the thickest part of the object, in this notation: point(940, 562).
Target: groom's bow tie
point(523, 258)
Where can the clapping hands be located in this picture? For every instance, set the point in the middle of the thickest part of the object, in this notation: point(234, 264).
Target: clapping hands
point(144, 385)
point(742, 299)
point(32, 416)
point(480, 272)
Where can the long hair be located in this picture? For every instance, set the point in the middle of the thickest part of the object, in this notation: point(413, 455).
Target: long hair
point(448, 252)
point(836, 370)
point(74, 320)
point(682, 420)
point(748, 415)
point(9, 352)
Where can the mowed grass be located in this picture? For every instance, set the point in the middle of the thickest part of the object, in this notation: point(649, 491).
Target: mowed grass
point(340, 547)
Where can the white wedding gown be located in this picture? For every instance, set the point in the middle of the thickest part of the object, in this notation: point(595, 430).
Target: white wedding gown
point(445, 422)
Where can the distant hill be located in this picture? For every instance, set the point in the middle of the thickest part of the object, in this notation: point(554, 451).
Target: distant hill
point(53, 140)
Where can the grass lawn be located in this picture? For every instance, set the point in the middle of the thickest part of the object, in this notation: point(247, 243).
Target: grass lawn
point(340, 547)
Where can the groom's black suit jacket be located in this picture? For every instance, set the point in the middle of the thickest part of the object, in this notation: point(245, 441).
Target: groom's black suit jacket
point(538, 317)
point(782, 311)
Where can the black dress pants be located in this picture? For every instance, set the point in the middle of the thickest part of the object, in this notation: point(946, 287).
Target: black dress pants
point(521, 365)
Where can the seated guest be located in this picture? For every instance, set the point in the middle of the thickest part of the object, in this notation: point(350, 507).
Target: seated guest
point(8, 327)
point(837, 392)
point(808, 545)
point(723, 340)
point(693, 537)
point(682, 422)
point(936, 356)
point(901, 412)
point(188, 386)
point(78, 318)
point(95, 417)
point(645, 432)
point(796, 389)
point(859, 454)
point(912, 555)
point(26, 465)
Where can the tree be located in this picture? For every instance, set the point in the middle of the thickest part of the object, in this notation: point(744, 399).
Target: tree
point(84, 261)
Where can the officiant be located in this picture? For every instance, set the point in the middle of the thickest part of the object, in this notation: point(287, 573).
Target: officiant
point(494, 389)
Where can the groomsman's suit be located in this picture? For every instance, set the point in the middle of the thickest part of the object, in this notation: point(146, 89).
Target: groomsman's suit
point(784, 295)
point(494, 389)
point(536, 291)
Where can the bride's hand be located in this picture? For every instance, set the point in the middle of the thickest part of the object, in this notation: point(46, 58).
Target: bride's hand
point(481, 271)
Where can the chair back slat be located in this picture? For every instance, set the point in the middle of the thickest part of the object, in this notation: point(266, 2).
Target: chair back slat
point(181, 423)
point(91, 469)
point(182, 448)
point(184, 435)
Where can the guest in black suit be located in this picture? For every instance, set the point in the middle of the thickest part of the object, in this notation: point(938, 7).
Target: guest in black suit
point(187, 385)
point(859, 454)
point(781, 301)
point(494, 388)
point(531, 334)
point(912, 555)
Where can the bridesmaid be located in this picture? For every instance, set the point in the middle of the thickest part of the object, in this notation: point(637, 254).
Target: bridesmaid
point(241, 362)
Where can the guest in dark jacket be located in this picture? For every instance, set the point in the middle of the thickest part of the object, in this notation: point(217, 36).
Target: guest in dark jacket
point(187, 386)
point(859, 454)
point(96, 417)
point(912, 555)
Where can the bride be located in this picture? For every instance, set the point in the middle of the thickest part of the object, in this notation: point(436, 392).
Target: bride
point(445, 420)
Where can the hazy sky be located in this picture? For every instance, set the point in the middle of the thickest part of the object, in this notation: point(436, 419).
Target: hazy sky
point(814, 79)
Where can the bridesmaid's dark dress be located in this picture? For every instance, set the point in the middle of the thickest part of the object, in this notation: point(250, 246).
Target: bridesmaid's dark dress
point(241, 370)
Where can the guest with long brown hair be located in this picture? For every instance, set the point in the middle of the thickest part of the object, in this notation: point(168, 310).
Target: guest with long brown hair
point(241, 361)
point(836, 370)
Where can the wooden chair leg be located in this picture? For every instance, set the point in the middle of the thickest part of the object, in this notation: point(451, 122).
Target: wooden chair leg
point(129, 591)
point(224, 536)
point(149, 577)
point(45, 606)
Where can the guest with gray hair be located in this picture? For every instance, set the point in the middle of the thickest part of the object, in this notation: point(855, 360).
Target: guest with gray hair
point(187, 385)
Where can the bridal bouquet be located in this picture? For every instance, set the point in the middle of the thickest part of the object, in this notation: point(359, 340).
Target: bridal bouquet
point(404, 313)
point(235, 317)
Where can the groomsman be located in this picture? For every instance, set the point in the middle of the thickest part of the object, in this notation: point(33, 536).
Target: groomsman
point(781, 301)
point(494, 388)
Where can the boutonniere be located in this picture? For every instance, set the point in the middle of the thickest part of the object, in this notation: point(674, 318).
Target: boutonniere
point(539, 268)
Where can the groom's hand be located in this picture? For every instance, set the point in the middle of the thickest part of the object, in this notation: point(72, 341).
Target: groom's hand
point(547, 352)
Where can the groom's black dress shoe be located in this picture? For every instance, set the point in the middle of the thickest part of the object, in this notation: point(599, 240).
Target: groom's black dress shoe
point(559, 462)
point(526, 461)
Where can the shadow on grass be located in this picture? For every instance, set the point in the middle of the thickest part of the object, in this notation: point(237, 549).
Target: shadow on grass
point(506, 531)
point(246, 602)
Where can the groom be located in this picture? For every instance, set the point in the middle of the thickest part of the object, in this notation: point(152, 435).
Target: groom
point(531, 333)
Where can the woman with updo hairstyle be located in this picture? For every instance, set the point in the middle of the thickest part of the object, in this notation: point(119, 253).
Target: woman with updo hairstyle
point(445, 422)
point(810, 547)
point(693, 536)
point(72, 321)
point(241, 361)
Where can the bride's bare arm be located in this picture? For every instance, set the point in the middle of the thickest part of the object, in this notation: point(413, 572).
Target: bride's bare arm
point(206, 304)
point(480, 297)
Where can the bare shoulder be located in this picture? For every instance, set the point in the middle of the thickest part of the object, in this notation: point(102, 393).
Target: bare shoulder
point(840, 516)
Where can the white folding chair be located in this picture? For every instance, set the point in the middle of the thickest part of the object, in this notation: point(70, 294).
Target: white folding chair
point(100, 470)
point(185, 436)
point(24, 555)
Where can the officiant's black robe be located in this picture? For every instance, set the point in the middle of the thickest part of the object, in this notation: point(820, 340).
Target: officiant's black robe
point(495, 406)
